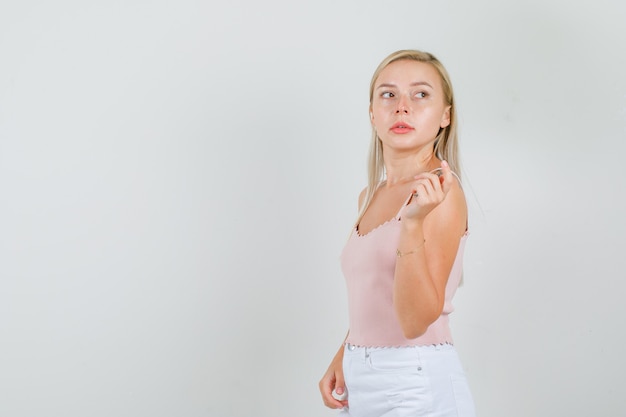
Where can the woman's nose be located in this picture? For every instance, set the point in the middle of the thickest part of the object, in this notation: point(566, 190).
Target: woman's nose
point(402, 106)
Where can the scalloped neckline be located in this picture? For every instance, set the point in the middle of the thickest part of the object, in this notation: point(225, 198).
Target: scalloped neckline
point(358, 234)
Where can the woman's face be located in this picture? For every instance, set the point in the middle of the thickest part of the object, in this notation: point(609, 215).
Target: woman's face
point(408, 105)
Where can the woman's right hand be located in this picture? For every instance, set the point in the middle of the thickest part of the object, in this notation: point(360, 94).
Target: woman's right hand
point(333, 380)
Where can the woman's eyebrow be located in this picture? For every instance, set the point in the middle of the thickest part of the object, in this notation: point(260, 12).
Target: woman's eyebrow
point(386, 85)
point(416, 83)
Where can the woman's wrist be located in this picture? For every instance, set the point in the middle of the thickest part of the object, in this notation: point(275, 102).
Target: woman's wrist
point(400, 253)
point(412, 226)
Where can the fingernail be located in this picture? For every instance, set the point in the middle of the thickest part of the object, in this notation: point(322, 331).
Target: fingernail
point(444, 164)
point(340, 390)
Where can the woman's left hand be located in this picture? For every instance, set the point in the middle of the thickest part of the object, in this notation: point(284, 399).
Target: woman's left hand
point(429, 190)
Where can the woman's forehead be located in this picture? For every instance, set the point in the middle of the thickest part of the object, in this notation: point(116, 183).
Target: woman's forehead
point(408, 71)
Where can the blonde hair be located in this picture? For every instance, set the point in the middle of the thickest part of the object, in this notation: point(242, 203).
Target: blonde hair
point(446, 142)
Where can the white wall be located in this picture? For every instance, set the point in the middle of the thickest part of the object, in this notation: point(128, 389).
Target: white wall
point(177, 180)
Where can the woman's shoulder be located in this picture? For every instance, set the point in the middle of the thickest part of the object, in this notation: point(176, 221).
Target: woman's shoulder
point(362, 195)
point(452, 212)
point(455, 199)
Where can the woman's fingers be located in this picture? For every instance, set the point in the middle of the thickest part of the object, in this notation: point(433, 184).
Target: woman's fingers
point(331, 383)
point(446, 176)
point(427, 187)
point(434, 182)
point(429, 190)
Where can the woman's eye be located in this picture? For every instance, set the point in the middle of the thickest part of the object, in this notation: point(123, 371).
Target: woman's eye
point(421, 94)
point(387, 94)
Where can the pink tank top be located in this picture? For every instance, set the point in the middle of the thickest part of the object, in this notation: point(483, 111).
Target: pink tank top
point(368, 263)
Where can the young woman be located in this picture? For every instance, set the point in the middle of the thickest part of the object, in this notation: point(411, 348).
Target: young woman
point(403, 260)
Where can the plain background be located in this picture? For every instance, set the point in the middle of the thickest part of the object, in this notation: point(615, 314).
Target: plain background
point(177, 180)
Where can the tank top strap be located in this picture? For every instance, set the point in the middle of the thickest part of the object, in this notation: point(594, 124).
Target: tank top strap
point(406, 203)
point(458, 179)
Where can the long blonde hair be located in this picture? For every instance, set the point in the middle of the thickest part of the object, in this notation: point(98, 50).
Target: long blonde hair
point(446, 142)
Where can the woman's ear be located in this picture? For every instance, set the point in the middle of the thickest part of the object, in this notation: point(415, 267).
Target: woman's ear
point(445, 118)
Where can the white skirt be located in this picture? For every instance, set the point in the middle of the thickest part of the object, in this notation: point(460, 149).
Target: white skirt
point(408, 381)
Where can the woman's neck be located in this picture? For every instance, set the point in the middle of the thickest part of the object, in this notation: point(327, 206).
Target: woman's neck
point(399, 171)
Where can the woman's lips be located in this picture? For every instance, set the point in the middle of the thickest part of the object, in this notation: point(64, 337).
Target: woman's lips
point(401, 127)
